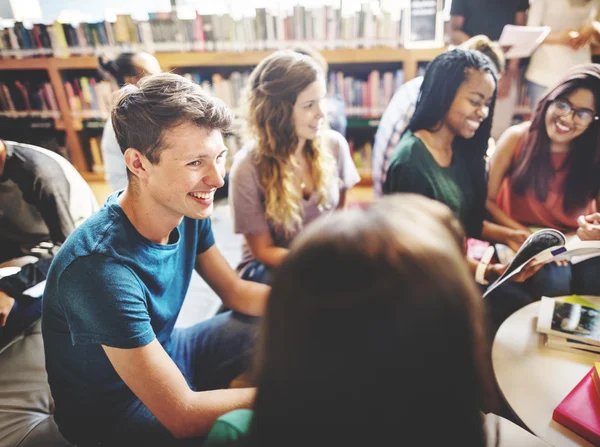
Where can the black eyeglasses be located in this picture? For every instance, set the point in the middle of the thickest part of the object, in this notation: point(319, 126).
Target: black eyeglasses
point(583, 117)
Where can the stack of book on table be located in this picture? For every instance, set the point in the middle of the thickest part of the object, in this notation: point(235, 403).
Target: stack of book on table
point(579, 411)
point(571, 324)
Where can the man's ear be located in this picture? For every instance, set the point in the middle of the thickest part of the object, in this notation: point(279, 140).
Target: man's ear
point(136, 162)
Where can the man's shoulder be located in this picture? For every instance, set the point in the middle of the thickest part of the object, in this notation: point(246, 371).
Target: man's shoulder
point(98, 234)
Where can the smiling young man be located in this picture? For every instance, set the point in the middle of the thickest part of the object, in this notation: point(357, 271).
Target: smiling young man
point(118, 371)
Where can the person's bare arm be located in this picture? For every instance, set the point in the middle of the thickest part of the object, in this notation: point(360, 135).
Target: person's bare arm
point(500, 163)
point(6, 304)
point(264, 250)
point(457, 35)
point(246, 297)
point(508, 236)
point(155, 379)
point(343, 199)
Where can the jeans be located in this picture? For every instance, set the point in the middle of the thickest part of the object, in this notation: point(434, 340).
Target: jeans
point(256, 272)
point(210, 355)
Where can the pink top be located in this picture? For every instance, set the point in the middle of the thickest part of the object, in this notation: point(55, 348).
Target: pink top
point(529, 211)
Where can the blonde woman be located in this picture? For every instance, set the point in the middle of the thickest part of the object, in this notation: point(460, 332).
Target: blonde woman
point(293, 170)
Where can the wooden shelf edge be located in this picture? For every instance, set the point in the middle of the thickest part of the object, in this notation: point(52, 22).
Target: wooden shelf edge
point(191, 59)
point(93, 176)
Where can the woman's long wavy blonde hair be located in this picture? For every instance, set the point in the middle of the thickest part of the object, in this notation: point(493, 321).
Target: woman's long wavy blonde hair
point(272, 90)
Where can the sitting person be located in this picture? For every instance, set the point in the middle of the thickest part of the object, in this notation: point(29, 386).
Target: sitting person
point(294, 170)
point(118, 370)
point(441, 154)
point(400, 110)
point(42, 200)
point(374, 331)
point(544, 173)
point(128, 68)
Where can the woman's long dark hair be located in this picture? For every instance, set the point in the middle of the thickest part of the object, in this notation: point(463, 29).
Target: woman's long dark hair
point(374, 330)
point(119, 68)
point(535, 169)
point(443, 78)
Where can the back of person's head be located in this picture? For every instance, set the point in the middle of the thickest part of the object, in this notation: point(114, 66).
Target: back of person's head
point(373, 332)
point(491, 49)
point(129, 67)
point(273, 87)
point(535, 169)
point(143, 113)
point(441, 83)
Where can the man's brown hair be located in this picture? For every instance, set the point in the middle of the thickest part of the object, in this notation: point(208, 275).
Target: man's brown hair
point(143, 112)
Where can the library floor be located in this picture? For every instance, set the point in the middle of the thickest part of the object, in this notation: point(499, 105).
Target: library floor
point(201, 302)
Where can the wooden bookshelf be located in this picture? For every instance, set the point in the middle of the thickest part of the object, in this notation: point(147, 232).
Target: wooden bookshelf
point(409, 58)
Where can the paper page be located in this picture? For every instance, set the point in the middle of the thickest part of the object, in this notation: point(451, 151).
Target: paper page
point(522, 40)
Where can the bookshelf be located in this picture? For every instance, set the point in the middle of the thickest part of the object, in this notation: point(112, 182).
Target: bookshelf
point(57, 68)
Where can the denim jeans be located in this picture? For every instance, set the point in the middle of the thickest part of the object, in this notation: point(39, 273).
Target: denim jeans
point(210, 355)
point(256, 272)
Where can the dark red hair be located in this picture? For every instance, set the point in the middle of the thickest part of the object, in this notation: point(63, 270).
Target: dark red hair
point(534, 169)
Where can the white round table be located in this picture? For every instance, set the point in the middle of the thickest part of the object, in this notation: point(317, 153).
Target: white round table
point(534, 379)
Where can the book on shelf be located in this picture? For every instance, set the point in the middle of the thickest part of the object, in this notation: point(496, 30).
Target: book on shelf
point(22, 98)
point(579, 411)
point(547, 245)
point(267, 29)
point(571, 321)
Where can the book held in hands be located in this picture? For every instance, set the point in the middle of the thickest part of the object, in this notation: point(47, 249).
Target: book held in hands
point(544, 246)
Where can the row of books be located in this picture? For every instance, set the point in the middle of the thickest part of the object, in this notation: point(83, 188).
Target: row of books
point(22, 98)
point(365, 98)
point(361, 98)
point(89, 97)
point(324, 26)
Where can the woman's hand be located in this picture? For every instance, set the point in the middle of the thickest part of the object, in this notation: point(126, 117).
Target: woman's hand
point(585, 34)
point(515, 239)
point(494, 271)
point(6, 305)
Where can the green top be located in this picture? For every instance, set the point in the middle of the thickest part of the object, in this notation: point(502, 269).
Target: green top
point(413, 169)
point(230, 427)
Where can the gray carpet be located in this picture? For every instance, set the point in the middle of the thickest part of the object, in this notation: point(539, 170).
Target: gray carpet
point(201, 302)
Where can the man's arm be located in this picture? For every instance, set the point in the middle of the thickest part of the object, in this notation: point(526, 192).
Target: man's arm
point(246, 297)
point(155, 379)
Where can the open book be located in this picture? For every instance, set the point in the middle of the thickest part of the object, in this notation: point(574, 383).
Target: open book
point(546, 245)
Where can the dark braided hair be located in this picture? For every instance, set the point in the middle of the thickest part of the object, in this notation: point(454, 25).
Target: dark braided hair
point(444, 76)
point(119, 68)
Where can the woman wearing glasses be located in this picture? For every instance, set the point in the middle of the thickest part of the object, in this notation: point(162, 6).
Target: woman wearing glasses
point(546, 173)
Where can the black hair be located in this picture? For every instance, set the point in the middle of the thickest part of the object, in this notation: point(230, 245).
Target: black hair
point(444, 76)
point(120, 67)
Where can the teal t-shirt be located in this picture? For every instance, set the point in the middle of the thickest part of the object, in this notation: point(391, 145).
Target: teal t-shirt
point(230, 427)
point(414, 170)
point(108, 285)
